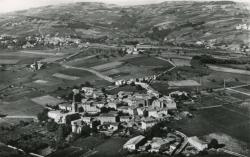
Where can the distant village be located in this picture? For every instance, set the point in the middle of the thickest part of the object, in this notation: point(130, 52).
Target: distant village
point(56, 41)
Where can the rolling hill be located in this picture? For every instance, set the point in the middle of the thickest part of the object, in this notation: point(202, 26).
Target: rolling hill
point(181, 22)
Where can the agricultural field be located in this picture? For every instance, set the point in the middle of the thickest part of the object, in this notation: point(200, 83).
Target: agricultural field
point(107, 66)
point(229, 119)
point(46, 100)
point(93, 146)
point(183, 83)
point(149, 61)
point(22, 107)
point(181, 62)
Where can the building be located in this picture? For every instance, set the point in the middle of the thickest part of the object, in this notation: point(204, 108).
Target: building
point(164, 102)
point(88, 91)
point(90, 108)
point(125, 118)
point(142, 111)
point(134, 142)
point(148, 123)
point(112, 104)
point(160, 144)
point(108, 118)
point(65, 106)
point(63, 118)
point(123, 109)
point(113, 126)
point(197, 143)
point(77, 126)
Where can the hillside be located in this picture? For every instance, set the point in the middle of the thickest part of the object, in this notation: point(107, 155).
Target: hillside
point(177, 22)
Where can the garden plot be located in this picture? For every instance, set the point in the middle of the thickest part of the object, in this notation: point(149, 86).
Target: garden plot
point(66, 77)
point(47, 100)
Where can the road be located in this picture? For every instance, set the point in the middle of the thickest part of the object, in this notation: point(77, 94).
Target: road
point(107, 78)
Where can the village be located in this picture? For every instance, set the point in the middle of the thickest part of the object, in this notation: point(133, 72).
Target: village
point(116, 115)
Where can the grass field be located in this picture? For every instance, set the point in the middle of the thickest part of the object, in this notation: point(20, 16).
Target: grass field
point(46, 100)
point(20, 107)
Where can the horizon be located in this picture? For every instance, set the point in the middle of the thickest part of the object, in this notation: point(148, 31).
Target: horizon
point(17, 5)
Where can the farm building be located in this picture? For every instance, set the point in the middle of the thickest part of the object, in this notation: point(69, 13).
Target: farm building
point(134, 143)
point(197, 143)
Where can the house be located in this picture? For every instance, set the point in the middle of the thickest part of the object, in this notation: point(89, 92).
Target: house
point(112, 104)
point(142, 111)
point(157, 112)
point(125, 118)
point(164, 102)
point(123, 94)
point(132, 110)
point(88, 91)
point(77, 126)
point(159, 144)
point(90, 108)
point(107, 117)
point(148, 123)
point(120, 82)
point(197, 143)
point(99, 104)
point(113, 126)
point(123, 109)
point(65, 106)
point(63, 118)
point(134, 142)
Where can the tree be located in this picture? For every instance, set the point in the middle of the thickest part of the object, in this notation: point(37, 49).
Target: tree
point(52, 126)
point(43, 116)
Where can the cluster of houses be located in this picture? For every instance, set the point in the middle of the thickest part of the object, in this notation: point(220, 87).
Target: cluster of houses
point(109, 112)
point(172, 144)
point(242, 27)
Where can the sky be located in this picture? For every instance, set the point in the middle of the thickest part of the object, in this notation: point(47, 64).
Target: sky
point(14, 5)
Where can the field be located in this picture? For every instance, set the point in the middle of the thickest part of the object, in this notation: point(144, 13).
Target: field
point(149, 61)
point(66, 77)
point(8, 61)
point(46, 100)
point(228, 119)
point(22, 107)
point(93, 146)
point(107, 66)
point(181, 62)
point(229, 70)
point(183, 83)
